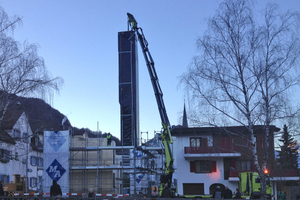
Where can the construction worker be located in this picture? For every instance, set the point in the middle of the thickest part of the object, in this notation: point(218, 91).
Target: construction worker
point(108, 139)
point(132, 21)
point(166, 193)
point(1, 189)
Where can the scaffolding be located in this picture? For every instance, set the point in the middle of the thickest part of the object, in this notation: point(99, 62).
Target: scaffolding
point(114, 169)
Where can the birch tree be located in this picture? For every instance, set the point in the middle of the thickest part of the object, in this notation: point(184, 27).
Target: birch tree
point(276, 66)
point(244, 69)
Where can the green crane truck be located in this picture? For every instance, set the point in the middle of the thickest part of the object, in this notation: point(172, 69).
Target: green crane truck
point(249, 185)
point(165, 137)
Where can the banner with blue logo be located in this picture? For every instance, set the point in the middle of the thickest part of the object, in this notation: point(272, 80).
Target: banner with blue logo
point(56, 160)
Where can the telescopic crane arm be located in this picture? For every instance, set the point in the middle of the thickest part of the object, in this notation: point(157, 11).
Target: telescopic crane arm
point(166, 135)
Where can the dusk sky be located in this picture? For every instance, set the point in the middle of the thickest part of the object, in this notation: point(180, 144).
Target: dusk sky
point(78, 40)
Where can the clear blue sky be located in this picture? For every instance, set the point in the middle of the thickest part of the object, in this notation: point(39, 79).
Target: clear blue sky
point(78, 41)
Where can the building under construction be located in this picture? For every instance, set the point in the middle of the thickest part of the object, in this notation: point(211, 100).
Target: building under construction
point(132, 168)
point(114, 169)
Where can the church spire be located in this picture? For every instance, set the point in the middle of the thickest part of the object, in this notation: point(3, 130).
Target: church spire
point(184, 118)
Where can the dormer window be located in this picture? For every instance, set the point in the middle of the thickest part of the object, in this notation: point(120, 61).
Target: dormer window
point(16, 134)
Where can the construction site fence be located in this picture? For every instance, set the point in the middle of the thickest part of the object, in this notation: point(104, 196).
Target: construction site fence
point(94, 198)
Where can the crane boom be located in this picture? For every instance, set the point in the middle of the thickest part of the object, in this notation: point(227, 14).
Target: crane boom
point(166, 135)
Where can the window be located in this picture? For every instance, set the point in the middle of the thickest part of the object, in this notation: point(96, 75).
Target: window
point(40, 183)
point(8, 155)
point(33, 182)
point(16, 156)
point(25, 137)
point(198, 142)
point(35, 140)
point(4, 178)
point(37, 162)
point(33, 160)
point(257, 180)
point(40, 162)
point(243, 165)
point(5, 155)
point(195, 142)
point(16, 134)
point(203, 166)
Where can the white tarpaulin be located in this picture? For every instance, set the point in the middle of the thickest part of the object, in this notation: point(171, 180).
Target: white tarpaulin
point(56, 160)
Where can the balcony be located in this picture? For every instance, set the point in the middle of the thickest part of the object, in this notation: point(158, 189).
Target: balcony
point(287, 174)
point(212, 151)
point(284, 173)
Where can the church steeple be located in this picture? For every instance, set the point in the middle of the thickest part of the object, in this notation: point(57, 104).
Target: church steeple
point(184, 118)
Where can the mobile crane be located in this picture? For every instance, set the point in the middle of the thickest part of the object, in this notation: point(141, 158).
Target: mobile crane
point(165, 137)
point(249, 185)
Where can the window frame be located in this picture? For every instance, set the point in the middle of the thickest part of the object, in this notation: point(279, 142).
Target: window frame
point(40, 161)
point(25, 137)
point(16, 155)
point(197, 140)
point(16, 134)
point(5, 155)
point(33, 160)
point(243, 165)
point(203, 166)
point(33, 182)
point(210, 166)
point(5, 178)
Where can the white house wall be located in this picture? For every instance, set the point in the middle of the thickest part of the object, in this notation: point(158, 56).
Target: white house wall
point(15, 165)
point(184, 175)
point(33, 170)
point(20, 152)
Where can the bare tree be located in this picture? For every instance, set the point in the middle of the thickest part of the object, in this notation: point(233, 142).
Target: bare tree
point(22, 71)
point(244, 69)
point(276, 67)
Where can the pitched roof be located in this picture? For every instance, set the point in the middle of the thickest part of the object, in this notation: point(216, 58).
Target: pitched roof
point(9, 120)
point(42, 116)
point(5, 137)
point(11, 117)
point(183, 131)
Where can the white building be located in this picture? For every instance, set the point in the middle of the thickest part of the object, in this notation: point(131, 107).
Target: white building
point(207, 157)
point(19, 151)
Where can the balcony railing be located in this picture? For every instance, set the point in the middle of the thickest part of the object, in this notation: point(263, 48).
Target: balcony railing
point(273, 173)
point(213, 149)
point(284, 173)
